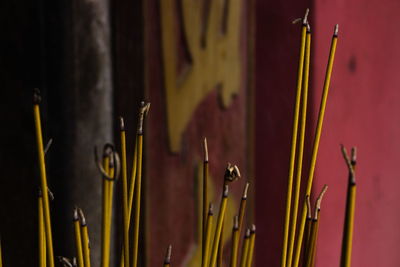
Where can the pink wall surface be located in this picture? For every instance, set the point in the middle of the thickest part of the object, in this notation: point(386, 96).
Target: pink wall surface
point(362, 111)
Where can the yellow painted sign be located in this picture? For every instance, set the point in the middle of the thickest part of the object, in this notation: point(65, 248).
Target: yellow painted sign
point(215, 58)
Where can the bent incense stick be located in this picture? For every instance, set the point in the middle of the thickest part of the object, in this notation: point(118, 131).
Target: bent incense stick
point(345, 259)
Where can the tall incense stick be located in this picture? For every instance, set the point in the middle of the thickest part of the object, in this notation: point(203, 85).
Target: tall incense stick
point(294, 142)
point(205, 195)
point(301, 146)
point(43, 178)
point(316, 141)
point(345, 259)
point(124, 194)
point(144, 108)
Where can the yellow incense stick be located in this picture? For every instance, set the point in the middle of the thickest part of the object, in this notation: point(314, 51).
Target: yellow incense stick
point(245, 249)
point(85, 239)
point(312, 248)
point(132, 181)
point(252, 241)
point(78, 238)
point(294, 142)
point(42, 233)
point(43, 179)
point(316, 142)
point(144, 108)
point(221, 215)
point(235, 241)
point(206, 255)
point(105, 215)
point(242, 210)
point(307, 230)
point(205, 195)
point(124, 194)
point(167, 259)
point(345, 259)
point(301, 147)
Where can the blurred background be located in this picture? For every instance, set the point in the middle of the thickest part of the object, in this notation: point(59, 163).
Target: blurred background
point(223, 69)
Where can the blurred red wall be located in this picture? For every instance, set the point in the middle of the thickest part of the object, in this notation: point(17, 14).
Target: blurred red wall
point(362, 111)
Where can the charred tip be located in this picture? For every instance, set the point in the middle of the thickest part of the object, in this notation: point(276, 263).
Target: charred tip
point(348, 161)
point(36, 96)
point(353, 160)
point(308, 28)
point(319, 200)
point(246, 189)
point(232, 173)
point(65, 261)
point(76, 215)
point(205, 150)
point(308, 204)
point(226, 191)
point(247, 234)
point(305, 18)
point(74, 262)
point(121, 124)
point(252, 229)
point(167, 259)
point(236, 223)
point(51, 195)
point(143, 111)
point(211, 209)
point(82, 217)
point(336, 30)
point(48, 145)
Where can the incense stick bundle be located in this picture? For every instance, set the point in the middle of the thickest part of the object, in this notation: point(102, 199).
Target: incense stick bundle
point(345, 259)
point(294, 143)
point(304, 99)
point(317, 137)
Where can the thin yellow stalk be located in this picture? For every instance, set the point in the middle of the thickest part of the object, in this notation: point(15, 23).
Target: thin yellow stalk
point(124, 193)
point(206, 256)
point(218, 229)
point(78, 238)
point(245, 249)
point(252, 242)
point(235, 241)
point(85, 239)
point(43, 178)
